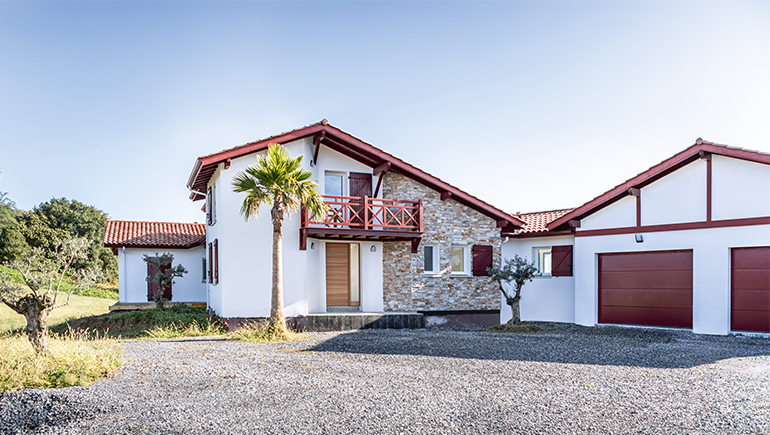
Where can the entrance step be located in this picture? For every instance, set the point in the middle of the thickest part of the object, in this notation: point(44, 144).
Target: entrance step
point(324, 322)
point(342, 309)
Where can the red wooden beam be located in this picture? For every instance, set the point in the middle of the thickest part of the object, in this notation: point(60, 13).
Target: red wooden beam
point(317, 142)
point(633, 191)
point(227, 163)
point(379, 182)
point(382, 168)
point(446, 195)
point(415, 244)
point(501, 224)
point(574, 223)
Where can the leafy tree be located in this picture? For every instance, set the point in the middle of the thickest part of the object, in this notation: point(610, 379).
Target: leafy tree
point(516, 272)
point(164, 277)
point(51, 222)
point(12, 241)
point(279, 182)
point(43, 274)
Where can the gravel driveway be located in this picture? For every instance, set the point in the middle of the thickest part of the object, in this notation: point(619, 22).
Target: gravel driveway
point(566, 380)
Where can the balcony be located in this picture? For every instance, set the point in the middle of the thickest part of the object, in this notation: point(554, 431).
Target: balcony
point(365, 218)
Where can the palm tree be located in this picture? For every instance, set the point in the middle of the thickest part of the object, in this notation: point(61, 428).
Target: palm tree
point(280, 182)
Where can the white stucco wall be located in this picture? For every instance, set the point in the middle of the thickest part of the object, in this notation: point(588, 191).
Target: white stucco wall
point(132, 287)
point(739, 188)
point(676, 198)
point(620, 214)
point(245, 248)
point(547, 299)
point(711, 268)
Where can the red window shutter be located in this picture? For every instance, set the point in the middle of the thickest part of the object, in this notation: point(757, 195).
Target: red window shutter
point(216, 261)
point(561, 260)
point(167, 293)
point(208, 206)
point(152, 287)
point(482, 259)
point(211, 263)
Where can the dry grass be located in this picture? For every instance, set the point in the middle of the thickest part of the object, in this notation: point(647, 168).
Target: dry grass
point(73, 361)
point(265, 333)
point(175, 330)
point(80, 306)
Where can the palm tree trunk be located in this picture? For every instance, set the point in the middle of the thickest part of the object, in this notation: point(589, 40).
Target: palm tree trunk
point(277, 317)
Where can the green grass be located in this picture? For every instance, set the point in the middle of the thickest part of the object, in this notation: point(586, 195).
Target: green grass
point(176, 321)
point(80, 306)
point(523, 328)
point(73, 361)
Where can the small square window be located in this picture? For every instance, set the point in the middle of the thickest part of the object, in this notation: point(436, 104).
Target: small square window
point(430, 260)
point(544, 261)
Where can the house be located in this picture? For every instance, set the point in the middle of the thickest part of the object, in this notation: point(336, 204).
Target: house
point(684, 244)
point(396, 238)
point(131, 240)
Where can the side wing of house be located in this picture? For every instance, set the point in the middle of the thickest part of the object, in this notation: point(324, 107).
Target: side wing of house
point(131, 240)
point(685, 244)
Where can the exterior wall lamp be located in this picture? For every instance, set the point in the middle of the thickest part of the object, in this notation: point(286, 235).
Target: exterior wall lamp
point(639, 238)
point(312, 245)
point(373, 248)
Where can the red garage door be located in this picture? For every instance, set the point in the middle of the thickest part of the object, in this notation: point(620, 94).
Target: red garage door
point(646, 288)
point(750, 280)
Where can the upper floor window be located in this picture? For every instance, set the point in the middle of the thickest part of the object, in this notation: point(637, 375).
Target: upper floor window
point(333, 184)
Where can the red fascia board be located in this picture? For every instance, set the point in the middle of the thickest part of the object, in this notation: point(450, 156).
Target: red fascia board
point(655, 173)
point(726, 223)
point(133, 246)
point(539, 234)
point(368, 153)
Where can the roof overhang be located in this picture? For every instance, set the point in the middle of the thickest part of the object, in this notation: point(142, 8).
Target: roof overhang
point(696, 151)
point(356, 149)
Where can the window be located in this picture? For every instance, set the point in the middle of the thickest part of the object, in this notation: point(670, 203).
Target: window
point(459, 260)
point(482, 259)
point(204, 271)
point(543, 261)
point(430, 254)
point(333, 184)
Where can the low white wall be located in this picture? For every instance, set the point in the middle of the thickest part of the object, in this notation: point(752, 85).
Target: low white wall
point(547, 299)
point(711, 269)
point(133, 272)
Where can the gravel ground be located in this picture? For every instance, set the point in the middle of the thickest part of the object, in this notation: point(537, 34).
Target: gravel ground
point(567, 380)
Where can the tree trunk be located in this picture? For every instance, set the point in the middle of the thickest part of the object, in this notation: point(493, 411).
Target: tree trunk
point(277, 318)
point(35, 310)
point(514, 304)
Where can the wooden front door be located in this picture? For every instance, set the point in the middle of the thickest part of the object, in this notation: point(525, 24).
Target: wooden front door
point(337, 274)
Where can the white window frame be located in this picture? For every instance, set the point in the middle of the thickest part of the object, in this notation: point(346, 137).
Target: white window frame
point(536, 254)
point(466, 260)
point(343, 175)
point(436, 254)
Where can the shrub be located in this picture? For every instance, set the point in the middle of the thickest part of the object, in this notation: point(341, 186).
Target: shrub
point(265, 333)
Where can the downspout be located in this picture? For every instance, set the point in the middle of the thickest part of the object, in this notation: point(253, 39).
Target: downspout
point(196, 192)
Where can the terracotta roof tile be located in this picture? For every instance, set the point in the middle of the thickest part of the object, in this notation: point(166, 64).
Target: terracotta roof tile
point(537, 222)
point(153, 234)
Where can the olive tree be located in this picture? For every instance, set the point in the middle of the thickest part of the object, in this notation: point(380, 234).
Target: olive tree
point(42, 276)
point(515, 272)
point(164, 276)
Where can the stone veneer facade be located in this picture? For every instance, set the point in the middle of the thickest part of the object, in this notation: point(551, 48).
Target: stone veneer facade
point(445, 223)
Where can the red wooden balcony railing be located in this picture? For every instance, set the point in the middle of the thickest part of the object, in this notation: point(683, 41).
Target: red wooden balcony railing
point(365, 213)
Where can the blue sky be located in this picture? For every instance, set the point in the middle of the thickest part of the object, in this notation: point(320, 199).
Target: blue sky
point(528, 105)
